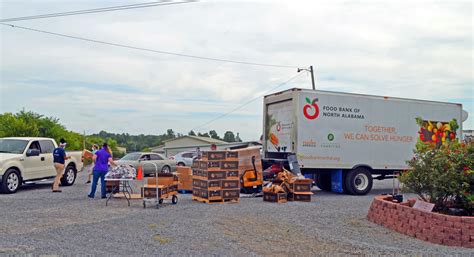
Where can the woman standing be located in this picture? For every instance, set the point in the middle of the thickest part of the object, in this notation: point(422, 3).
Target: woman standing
point(89, 172)
point(101, 160)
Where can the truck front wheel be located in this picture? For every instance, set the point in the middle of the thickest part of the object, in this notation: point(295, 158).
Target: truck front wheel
point(358, 181)
point(69, 176)
point(323, 181)
point(11, 181)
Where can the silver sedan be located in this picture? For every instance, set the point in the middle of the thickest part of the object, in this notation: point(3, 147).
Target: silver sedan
point(151, 162)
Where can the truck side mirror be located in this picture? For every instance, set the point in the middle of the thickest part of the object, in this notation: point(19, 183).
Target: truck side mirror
point(32, 152)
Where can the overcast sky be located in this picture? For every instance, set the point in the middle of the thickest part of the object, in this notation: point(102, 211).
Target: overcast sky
point(414, 49)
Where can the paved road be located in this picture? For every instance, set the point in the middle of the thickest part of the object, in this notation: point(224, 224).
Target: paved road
point(36, 221)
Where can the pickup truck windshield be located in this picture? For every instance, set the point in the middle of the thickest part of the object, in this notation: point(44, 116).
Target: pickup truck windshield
point(131, 157)
point(15, 146)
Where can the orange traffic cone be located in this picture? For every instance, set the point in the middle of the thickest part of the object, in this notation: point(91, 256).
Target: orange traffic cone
point(139, 172)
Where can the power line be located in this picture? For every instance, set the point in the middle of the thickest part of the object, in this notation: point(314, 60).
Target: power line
point(97, 10)
point(150, 50)
point(246, 103)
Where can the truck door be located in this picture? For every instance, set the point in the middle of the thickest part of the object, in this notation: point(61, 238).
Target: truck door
point(33, 165)
point(47, 148)
point(279, 127)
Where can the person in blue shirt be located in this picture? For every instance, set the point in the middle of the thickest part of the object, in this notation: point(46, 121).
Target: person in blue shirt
point(59, 155)
point(101, 160)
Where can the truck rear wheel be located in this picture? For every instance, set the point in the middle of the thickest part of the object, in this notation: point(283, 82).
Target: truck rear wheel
point(69, 176)
point(358, 181)
point(323, 181)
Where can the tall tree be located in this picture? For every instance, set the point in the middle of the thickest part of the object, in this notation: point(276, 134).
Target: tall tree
point(191, 133)
point(213, 134)
point(229, 136)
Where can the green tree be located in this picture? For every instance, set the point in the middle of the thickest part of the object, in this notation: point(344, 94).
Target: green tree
point(191, 133)
point(229, 136)
point(213, 134)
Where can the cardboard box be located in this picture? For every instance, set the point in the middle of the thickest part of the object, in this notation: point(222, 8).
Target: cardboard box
point(302, 185)
point(230, 194)
point(211, 194)
point(185, 177)
point(230, 184)
point(300, 197)
point(232, 174)
point(211, 184)
point(275, 197)
point(214, 156)
point(229, 165)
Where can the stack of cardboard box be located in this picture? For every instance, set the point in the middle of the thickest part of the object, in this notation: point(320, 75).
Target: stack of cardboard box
point(185, 176)
point(216, 177)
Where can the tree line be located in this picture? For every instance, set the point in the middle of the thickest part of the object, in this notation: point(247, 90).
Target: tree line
point(31, 124)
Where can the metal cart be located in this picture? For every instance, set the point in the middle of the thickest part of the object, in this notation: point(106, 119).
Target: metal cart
point(161, 192)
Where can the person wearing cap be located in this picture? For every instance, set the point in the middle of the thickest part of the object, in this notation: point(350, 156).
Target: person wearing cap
point(101, 160)
point(59, 155)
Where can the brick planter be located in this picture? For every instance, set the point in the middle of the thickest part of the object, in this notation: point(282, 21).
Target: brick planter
point(428, 226)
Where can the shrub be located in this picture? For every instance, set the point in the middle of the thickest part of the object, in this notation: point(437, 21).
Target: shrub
point(442, 175)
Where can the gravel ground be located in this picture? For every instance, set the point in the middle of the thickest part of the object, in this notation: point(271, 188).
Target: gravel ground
point(38, 222)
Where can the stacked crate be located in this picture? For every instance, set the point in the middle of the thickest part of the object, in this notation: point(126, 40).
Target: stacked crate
point(216, 177)
point(300, 190)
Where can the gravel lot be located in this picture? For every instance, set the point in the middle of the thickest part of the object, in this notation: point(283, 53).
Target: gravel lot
point(36, 221)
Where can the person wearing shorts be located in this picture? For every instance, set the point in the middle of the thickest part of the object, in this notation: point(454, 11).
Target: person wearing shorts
point(59, 155)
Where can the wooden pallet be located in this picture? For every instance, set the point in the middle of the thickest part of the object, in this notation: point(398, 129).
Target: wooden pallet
point(203, 200)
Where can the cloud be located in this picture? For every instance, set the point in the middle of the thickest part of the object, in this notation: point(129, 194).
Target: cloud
point(419, 50)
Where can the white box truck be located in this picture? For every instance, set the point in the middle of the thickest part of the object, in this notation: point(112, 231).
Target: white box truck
point(353, 136)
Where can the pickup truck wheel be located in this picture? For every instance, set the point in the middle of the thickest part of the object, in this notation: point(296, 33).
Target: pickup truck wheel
point(323, 181)
point(69, 176)
point(358, 181)
point(11, 181)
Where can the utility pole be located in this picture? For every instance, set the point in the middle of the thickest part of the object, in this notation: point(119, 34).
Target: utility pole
point(312, 74)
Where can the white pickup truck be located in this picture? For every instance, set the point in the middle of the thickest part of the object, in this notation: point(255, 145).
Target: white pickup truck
point(28, 159)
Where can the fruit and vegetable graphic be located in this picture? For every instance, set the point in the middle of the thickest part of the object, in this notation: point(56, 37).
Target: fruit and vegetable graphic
point(311, 110)
point(274, 139)
point(436, 131)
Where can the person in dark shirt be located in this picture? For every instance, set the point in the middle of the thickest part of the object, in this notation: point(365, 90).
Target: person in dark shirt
point(59, 155)
point(101, 160)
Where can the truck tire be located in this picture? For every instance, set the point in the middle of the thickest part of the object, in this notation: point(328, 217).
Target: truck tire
point(11, 181)
point(358, 181)
point(69, 176)
point(323, 181)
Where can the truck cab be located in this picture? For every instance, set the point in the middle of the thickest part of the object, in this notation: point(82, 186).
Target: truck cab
point(25, 160)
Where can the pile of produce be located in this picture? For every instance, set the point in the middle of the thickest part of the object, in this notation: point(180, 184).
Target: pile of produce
point(121, 172)
point(281, 183)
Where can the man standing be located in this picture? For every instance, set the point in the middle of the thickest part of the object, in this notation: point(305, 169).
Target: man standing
point(101, 159)
point(59, 155)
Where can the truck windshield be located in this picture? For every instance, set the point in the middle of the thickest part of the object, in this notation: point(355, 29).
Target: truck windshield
point(16, 146)
point(131, 157)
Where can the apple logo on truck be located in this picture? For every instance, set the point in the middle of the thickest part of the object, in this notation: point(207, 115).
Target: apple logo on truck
point(311, 110)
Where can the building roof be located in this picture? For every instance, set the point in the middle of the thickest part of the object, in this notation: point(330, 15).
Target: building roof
point(203, 139)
